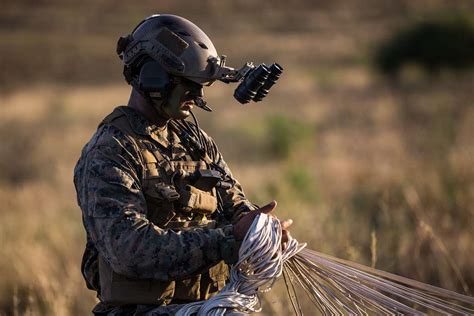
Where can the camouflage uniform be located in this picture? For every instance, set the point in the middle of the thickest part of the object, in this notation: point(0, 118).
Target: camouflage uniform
point(110, 183)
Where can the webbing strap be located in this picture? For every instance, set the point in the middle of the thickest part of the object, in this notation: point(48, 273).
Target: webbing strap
point(118, 118)
point(191, 224)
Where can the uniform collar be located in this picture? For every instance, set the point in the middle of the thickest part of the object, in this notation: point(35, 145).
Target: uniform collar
point(142, 126)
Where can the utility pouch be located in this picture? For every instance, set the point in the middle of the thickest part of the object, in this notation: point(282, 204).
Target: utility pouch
point(118, 290)
point(219, 274)
point(164, 192)
point(195, 200)
point(159, 199)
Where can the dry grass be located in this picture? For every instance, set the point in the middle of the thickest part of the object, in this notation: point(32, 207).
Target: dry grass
point(374, 173)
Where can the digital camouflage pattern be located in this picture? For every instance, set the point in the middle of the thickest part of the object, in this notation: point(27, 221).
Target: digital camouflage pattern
point(109, 183)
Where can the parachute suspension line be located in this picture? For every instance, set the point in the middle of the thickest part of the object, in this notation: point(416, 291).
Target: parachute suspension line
point(344, 287)
point(261, 261)
point(334, 286)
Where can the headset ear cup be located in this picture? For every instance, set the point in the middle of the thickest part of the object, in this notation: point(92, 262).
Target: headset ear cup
point(154, 80)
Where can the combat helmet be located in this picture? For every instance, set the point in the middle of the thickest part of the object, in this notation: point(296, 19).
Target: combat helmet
point(181, 48)
point(164, 46)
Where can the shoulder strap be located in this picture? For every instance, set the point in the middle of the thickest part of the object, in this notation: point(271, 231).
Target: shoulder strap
point(118, 119)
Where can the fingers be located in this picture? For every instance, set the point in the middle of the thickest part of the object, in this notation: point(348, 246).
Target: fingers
point(284, 239)
point(286, 223)
point(285, 236)
point(268, 208)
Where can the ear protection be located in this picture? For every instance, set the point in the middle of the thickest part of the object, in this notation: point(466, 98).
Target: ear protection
point(154, 80)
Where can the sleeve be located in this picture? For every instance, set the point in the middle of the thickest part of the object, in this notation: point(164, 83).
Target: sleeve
point(114, 210)
point(235, 203)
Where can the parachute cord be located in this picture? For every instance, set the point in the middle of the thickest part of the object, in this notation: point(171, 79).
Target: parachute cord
point(261, 260)
point(334, 286)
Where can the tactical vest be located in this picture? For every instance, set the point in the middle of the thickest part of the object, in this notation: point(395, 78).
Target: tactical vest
point(173, 203)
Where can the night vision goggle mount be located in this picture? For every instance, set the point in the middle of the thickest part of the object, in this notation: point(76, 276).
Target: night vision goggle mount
point(255, 81)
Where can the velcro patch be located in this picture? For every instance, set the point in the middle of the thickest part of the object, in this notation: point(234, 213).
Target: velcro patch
point(172, 41)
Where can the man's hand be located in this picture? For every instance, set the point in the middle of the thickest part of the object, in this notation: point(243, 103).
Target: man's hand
point(243, 225)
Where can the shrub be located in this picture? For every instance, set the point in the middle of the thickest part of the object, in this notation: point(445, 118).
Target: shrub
point(432, 44)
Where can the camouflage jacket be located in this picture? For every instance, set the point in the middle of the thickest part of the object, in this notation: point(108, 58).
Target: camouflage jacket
point(108, 180)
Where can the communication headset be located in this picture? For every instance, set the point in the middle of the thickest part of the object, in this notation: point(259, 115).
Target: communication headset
point(146, 75)
point(154, 80)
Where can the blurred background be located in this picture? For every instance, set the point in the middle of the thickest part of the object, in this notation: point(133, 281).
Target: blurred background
point(365, 142)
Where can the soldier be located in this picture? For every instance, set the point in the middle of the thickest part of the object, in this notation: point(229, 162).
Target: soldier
point(163, 214)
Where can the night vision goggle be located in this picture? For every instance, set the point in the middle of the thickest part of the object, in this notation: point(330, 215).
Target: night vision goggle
point(255, 81)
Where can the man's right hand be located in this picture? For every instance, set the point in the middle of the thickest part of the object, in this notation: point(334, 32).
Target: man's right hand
point(243, 225)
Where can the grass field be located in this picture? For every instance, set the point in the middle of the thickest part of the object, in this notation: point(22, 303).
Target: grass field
point(369, 170)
